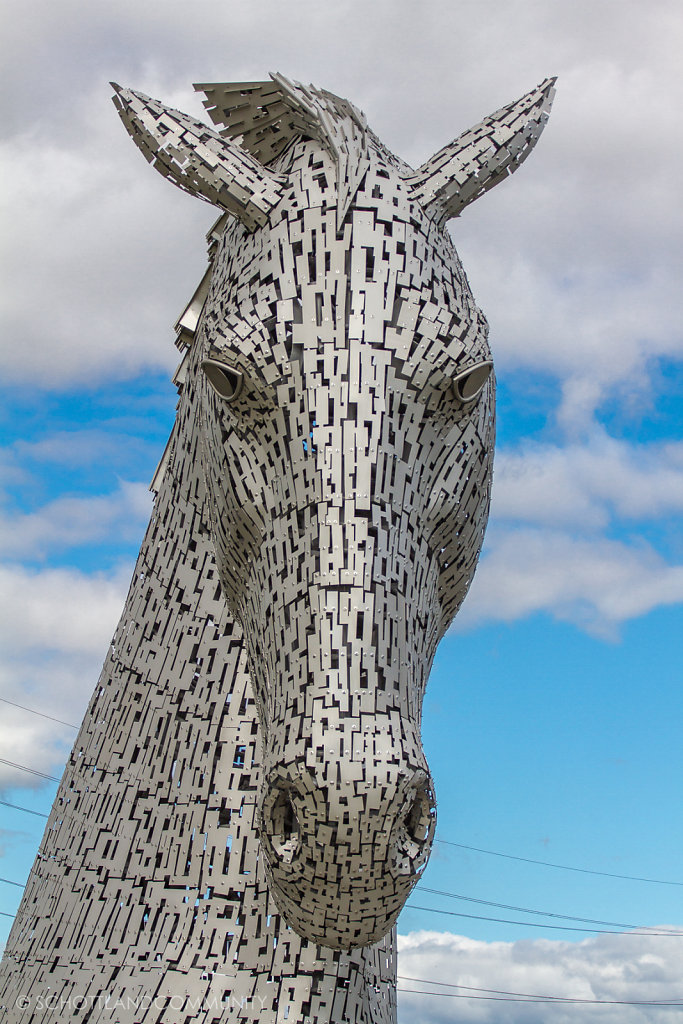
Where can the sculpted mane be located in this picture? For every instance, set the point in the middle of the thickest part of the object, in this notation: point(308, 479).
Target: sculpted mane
point(265, 117)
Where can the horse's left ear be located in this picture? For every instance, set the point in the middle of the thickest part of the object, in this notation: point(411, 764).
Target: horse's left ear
point(198, 159)
point(481, 157)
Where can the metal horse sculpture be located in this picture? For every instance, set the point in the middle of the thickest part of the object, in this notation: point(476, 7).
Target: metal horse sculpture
point(248, 806)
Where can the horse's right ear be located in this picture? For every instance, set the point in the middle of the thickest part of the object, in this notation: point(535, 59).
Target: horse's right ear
point(198, 159)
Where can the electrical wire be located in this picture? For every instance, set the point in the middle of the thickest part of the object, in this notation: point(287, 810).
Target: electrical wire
point(530, 998)
point(528, 910)
point(535, 995)
point(445, 842)
point(41, 713)
point(33, 771)
point(462, 846)
point(563, 867)
point(490, 994)
point(18, 807)
point(633, 929)
point(537, 924)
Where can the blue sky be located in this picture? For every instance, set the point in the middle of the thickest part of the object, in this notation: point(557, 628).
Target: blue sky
point(553, 716)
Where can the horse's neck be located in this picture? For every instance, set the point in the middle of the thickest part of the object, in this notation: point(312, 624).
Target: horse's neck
point(148, 884)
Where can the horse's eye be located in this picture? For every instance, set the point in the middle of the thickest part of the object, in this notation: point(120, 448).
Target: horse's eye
point(468, 385)
point(226, 381)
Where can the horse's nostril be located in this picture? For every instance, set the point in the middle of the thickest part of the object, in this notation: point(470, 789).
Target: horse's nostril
point(415, 831)
point(284, 827)
point(418, 820)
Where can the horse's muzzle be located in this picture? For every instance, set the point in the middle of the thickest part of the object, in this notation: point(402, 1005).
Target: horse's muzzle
point(344, 853)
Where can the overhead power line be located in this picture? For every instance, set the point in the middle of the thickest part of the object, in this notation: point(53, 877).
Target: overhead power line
point(445, 842)
point(41, 713)
point(23, 768)
point(562, 867)
point(633, 929)
point(18, 807)
point(502, 995)
point(539, 924)
point(528, 910)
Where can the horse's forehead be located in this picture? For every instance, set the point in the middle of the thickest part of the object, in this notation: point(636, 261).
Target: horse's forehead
point(385, 239)
point(388, 267)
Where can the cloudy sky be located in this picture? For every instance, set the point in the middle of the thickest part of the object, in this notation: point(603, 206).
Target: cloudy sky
point(553, 720)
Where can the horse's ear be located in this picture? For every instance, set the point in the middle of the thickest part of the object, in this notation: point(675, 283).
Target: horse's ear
point(481, 157)
point(198, 159)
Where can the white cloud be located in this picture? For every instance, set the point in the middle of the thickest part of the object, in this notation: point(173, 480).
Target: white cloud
point(79, 448)
point(55, 628)
point(581, 486)
point(73, 521)
point(595, 583)
point(547, 550)
point(91, 292)
point(575, 260)
point(609, 967)
point(58, 609)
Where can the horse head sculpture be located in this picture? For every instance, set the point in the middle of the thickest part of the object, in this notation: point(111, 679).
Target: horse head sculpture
point(341, 388)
